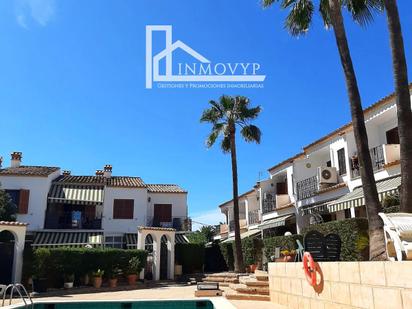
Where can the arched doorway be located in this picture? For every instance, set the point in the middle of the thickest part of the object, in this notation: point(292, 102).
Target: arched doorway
point(164, 258)
point(148, 246)
point(7, 243)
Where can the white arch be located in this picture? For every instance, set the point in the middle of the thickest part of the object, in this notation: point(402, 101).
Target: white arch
point(18, 230)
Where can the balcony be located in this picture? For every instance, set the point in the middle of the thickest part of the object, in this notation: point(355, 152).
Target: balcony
point(380, 155)
point(269, 202)
point(67, 222)
point(178, 223)
point(254, 217)
point(223, 229)
point(242, 223)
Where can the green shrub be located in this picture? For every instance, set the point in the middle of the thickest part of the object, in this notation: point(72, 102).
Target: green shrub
point(190, 256)
point(55, 263)
point(227, 251)
point(353, 233)
point(282, 242)
point(252, 250)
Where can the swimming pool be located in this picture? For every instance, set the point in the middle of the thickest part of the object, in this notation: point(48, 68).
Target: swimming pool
point(132, 304)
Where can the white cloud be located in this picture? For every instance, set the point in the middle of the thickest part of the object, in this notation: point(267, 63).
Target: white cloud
point(211, 217)
point(39, 11)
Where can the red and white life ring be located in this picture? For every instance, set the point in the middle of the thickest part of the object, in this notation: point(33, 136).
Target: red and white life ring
point(309, 268)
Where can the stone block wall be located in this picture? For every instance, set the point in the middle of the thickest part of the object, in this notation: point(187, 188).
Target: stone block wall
point(378, 285)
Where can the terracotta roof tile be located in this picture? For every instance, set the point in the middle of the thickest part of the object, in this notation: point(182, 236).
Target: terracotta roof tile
point(26, 170)
point(114, 181)
point(166, 229)
point(165, 188)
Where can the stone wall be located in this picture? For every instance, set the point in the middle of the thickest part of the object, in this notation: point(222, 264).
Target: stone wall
point(377, 285)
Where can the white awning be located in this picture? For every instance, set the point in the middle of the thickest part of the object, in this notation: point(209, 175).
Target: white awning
point(275, 222)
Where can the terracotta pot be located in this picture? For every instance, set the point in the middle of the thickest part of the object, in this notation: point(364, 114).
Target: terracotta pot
point(97, 282)
point(131, 279)
point(113, 282)
point(289, 258)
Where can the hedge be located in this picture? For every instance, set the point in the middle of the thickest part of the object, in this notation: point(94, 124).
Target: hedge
point(353, 233)
point(190, 256)
point(227, 251)
point(55, 263)
point(282, 242)
point(251, 249)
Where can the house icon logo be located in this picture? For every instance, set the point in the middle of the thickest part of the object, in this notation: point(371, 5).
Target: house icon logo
point(203, 71)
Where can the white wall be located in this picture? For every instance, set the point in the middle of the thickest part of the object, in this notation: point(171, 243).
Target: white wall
point(139, 213)
point(178, 201)
point(39, 189)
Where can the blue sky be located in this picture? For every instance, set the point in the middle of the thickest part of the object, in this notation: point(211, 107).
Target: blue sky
point(72, 88)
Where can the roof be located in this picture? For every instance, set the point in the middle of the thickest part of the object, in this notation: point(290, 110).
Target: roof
point(26, 170)
point(165, 188)
point(288, 160)
point(371, 107)
point(113, 181)
point(240, 196)
point(152, 228)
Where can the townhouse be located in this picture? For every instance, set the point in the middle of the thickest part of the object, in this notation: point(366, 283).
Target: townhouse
point(322, 183)
point(97, 210)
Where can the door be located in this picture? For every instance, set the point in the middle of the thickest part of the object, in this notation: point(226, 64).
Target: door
point(282, 188)
point(163, 258)
point(392, 136)
point(6, 257)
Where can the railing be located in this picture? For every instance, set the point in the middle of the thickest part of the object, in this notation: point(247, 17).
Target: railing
point(232, 225)
point(307, 188)
point(378, 160)
point(254, 217)
point(269, 202)
point(178, 223)
point(67, 223)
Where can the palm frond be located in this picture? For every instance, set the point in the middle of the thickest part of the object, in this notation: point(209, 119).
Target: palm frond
point(211, 139)
point(268, 3)
point(211, 115)
point(251, 133)
point(325, 13)
point(362, 10)
point(227, 103)
point(300, 16)
point(225, 144)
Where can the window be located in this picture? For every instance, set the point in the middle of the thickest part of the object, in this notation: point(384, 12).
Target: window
point(123, 209)
point(329, 163)
point(392, 136)
point(342, 161)
point(20, 198)
point(114, 242)
point(162, 213)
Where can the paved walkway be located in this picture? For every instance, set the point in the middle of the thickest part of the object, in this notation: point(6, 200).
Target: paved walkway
point(169, 291)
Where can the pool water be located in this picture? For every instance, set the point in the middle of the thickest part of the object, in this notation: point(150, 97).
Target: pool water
point(164, 304)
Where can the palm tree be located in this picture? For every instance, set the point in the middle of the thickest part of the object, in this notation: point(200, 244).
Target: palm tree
point(298, 22)
point(403, 102)
point(226, 116)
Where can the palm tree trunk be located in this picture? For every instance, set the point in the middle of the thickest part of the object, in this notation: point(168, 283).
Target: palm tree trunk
point(239, 267)
point(403, 102)
point(373, 206)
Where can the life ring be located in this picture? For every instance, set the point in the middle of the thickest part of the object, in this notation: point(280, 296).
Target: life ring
point(309, 268)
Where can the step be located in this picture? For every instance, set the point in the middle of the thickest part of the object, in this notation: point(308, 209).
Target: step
point(224, 274)
point(253, 282)
point(244, 289)
point(261, 275)
point(240, 296)
point(220, 283)
point(221, 279)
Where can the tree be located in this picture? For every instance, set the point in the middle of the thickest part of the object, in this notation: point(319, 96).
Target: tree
point(202, 236)
point(298, 22)
point(403, 102)
point(226, 116)
point(7, 208)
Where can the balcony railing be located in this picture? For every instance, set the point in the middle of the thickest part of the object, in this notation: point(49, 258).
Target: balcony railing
point(380, 155)
point(307, 188)
point(242, 224)
point(68, 223)
point(254, 217)
point(178, 223)
point(269, 202)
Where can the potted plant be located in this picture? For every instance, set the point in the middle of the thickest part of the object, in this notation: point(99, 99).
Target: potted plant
point(113, 275)
point(97, 278)
point(288, 255)
point(68, 281)
point(134, 268)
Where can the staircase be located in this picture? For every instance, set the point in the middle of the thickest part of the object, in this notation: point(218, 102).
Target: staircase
point(252, 287)
point(224, 279)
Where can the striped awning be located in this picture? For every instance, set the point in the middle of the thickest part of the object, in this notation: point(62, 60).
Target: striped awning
point(131, 239)
point(67, 239)
point(275, 222)
point(76, 194)
point(357, 199)
point(315, 208)
point(250, 233)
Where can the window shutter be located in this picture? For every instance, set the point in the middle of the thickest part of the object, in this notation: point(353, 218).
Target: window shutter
point(123, 209)
point(23, 207)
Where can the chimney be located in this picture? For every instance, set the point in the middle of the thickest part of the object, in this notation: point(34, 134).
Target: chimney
point(99, 173)
point(15, 159)
point(1, 161)
point(107, 171)
point(67, 173)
